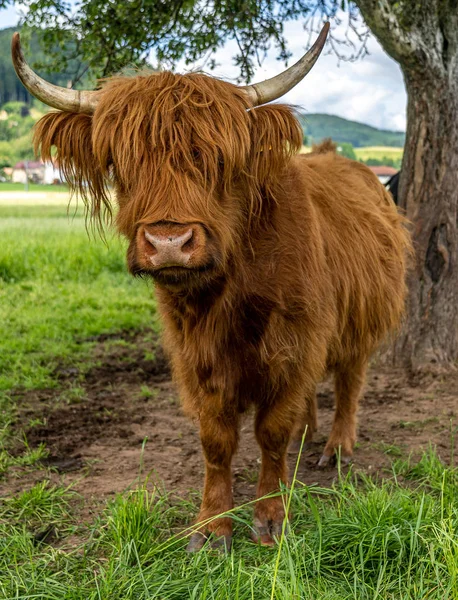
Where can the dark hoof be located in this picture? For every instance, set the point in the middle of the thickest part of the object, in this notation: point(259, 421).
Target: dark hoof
point(221, 544)
point(198, 540)
point(267, 533)
point(331, 461)
point(326, 461)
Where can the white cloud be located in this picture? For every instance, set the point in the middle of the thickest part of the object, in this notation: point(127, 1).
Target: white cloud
point(370, 90)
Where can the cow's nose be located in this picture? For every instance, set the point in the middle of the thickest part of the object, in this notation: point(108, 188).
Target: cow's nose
point(169, 250)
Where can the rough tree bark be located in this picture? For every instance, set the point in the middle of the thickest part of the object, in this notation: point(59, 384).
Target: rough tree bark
point(423, 37)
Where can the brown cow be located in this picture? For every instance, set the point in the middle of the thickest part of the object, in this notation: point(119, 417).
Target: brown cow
point(271, 269)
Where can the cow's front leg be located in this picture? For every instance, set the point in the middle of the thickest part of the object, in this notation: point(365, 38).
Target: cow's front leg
point(219, 437)
point(274, 426)
point(306, 422)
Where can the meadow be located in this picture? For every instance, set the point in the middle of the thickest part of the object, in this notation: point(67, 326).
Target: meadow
point(389, 535)
point(32, 187)
point(379, 153)
point(60, 286)
point(383, 154)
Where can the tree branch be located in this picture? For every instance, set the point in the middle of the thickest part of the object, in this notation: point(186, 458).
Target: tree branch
point(407, 31)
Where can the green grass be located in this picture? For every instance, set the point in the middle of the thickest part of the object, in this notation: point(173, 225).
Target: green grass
point(58, 288)
point(379, 152)
point(52, 211)
point(360, 539)
point(33, 187)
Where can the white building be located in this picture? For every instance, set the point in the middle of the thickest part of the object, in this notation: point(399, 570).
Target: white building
point(36, 172)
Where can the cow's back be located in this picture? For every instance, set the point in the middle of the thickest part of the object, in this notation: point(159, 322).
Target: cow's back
point(365, 244)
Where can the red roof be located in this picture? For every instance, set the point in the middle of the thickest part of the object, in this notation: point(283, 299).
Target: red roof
point(380, 171)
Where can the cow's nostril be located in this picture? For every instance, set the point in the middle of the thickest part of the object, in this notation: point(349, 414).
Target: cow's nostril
point(170, 248)
point(169, 243)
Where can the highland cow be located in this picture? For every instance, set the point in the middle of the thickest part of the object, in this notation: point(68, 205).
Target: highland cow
point(272, 269)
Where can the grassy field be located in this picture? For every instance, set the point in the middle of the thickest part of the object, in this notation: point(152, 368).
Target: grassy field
point(59, 288)
point(33, 187)
point(393, 538)
point(360, 539)
point(378, 152)
point(375, 152)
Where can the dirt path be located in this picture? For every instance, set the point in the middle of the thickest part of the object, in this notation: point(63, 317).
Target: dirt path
point(95, 427)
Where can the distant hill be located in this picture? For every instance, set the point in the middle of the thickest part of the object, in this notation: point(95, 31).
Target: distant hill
point(318, 126)
point(11, 89)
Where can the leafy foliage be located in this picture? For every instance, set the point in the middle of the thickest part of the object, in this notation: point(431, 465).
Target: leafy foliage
point(346, 149)
point(385, 161)
point(110, 35)
point(16, 125)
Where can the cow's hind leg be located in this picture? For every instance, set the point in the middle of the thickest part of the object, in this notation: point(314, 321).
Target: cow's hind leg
point(274, 426)
point(307, 422)
point(349, 381)
point(219, 437)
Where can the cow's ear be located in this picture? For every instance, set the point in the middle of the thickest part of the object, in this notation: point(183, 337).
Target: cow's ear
point(276, 136)
point(70, 134)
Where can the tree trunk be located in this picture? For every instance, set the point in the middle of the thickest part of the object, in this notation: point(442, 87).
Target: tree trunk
point(429, 194)
point(422, 37)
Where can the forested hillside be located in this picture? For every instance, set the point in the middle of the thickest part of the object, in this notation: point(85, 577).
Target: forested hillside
point(319, 126)
point(11, 89)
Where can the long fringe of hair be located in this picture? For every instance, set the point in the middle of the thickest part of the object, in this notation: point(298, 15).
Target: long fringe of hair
point(70, 135)
point(174, 138)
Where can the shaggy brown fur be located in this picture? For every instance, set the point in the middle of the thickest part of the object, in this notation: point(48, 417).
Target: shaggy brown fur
point(304, 273)
point(326, 145)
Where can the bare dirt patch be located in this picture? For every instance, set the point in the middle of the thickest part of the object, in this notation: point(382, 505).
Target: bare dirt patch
point(122, 420)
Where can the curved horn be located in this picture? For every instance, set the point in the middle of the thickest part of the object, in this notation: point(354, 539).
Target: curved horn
point(271, 89)
point(52, 95)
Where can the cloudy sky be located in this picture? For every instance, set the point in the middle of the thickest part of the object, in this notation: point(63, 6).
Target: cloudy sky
point(370, 90)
